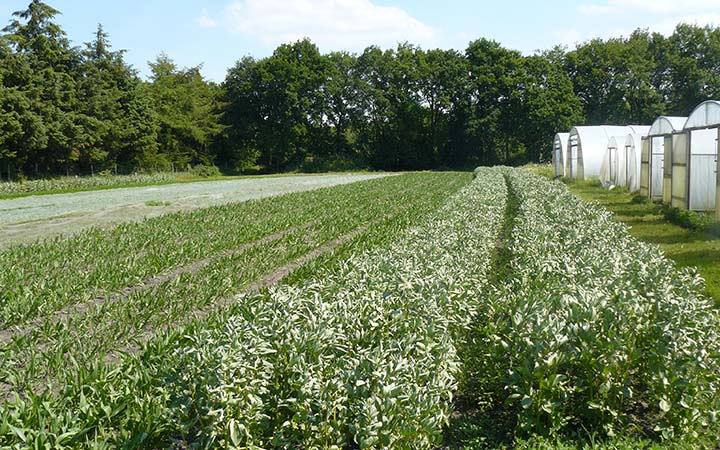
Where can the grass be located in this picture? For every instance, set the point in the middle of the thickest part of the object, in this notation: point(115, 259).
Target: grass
point(156, 203)
point(688, 248)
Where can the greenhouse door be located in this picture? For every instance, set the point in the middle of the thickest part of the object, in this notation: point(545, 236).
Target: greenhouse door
point(625, 174)
point(657, 149)
point(573, 158)
point(717, 186)
point(559, 166)
point(703, 169)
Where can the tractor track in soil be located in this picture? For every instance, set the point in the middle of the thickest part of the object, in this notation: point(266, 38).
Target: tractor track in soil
point(63, 315)
point(9, 393)
point(143, 335)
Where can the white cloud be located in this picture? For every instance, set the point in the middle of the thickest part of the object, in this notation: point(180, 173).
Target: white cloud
point(571, 37)
point(667, 26)
point(206, 21)
point(660, 7)
point(331, 24)
point(568, 38)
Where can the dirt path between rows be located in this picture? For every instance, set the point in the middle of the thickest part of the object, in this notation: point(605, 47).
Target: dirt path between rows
point(65, 314)
point(274, 277)
point(143, 335)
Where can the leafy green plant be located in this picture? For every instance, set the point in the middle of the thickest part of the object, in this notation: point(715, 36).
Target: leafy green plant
point(595, 329)
point(122, 402)
point(156, 203)
point(692, 220)
point(205, 171)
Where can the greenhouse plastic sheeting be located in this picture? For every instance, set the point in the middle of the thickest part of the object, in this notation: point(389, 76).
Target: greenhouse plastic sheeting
point(609, 166)
point(656, 182)
point(558, 156)
point(622, 162)
point(706, 114)
point(633, 149)
point(666, 125)
point(587, 147)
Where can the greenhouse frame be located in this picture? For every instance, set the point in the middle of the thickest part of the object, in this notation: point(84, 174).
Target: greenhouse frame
point(655, 175)
point(558, 155)
point(587, 148)
point(694, 174)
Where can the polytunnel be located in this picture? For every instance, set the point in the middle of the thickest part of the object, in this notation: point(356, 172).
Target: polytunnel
point(657, 147)
point(558, 155)
point(621, 166)
point(587, 148)
point(695, 160)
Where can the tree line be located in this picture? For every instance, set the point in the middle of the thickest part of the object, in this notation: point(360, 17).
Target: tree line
point(77, 110)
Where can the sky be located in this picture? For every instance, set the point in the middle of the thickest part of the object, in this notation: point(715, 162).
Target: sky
point(216, 33)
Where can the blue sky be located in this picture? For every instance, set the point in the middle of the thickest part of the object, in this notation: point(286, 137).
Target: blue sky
point(217, 33)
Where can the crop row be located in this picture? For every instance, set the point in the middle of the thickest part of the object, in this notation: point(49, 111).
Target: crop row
point(41, 278)
point(85, 335)
point(71, 183)
point(360, 350)
point(595, 330)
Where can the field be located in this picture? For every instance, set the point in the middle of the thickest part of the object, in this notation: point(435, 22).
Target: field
point(425, 310)
point(27, 218)
point(687, 247)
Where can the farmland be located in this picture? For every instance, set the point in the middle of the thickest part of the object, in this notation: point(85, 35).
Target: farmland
point(687, 247)
point(412, 311)
point(28, 218)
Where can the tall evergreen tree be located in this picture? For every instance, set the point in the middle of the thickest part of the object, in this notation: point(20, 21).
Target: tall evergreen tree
point(187, 110)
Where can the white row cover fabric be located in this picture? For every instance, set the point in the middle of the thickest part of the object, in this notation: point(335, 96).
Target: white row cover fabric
point(621, 165)
point(705, 115)
point(587, 147)
point(558, 155)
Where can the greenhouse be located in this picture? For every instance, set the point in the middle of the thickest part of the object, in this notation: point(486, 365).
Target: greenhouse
point(621, 165)
point(587, 148)
point(656, 146)
point(558, 155)
point(694, 171)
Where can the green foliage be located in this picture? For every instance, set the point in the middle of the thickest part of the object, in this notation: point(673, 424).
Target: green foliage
point(692, 220)
point(157, 203)
point(595, 329)
point(65, 184)
point(137, 399)
point(201, 170)
point(65, 110)
point(569, 326)
point(187, 110)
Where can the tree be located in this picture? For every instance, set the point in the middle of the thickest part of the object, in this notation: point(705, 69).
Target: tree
point(340, 94)
point(442, 87)
point(493, 76)
point(278, 105)
point(187, 112)
point(693, 67)
point(548, 104)
point(108, 114)
point(48, 86)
